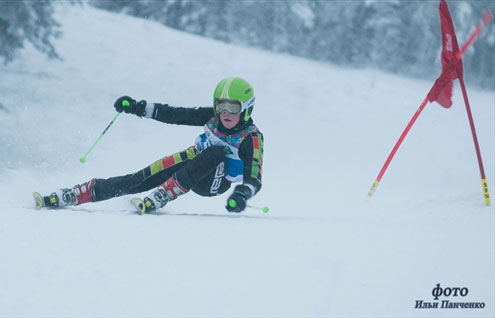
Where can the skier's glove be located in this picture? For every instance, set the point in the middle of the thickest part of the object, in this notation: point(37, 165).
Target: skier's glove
point(129, 105)
point(238, 199)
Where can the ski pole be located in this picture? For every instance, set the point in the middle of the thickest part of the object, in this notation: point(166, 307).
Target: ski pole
point(232, 203)
point(83, 158)
point(264, 209)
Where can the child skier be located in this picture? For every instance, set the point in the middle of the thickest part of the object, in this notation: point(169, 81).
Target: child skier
point(229, 150)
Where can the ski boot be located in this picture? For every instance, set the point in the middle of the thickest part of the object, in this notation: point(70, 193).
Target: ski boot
point(79, 194)
point(167, 191)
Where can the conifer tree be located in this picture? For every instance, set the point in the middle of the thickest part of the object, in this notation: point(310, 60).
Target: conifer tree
point(24, 21)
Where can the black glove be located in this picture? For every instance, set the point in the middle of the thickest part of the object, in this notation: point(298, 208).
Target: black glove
point(129, 105)
point(238, 199)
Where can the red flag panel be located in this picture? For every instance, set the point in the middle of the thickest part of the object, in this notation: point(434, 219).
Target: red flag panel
point(441, 92)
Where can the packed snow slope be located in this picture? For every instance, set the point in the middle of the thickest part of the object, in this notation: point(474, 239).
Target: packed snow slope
point(322, 250)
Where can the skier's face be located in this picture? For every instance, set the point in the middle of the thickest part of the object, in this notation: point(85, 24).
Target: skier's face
point(229, 121)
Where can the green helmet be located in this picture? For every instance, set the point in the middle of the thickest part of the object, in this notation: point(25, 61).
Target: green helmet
point(236, 89)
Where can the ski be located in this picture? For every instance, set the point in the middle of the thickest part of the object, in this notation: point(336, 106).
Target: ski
point(139, 205)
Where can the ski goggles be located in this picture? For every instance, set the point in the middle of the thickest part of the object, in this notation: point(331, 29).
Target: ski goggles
point(227, 106)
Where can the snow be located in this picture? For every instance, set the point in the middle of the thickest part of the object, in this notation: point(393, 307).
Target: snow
point(322, 250)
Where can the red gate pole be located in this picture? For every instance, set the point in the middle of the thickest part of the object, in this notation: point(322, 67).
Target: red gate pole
point(396, 147)
point(484, 184)
point(485, 21)
point(487, 17)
